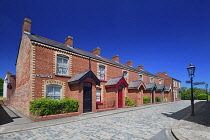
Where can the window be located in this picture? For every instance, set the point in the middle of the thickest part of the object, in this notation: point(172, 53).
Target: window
point(62, 65)
point(125, 74)
point(160, 82)
point(53, 91)
point(98, 95)
point(101, 74)
point(151, 80)
point(140, 77)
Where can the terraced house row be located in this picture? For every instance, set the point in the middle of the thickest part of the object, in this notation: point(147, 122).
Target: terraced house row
point(46, 68)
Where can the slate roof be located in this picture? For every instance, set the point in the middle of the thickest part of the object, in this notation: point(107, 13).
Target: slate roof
point(167, 88)
point(160, 87)
point(135, 84)
point(55, 44)
point(150, 86)
point(113, 81)
point(80, 77)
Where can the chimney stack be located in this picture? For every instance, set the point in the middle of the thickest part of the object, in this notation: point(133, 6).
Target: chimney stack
point(141, 67)
point(97, 51)
point(69, 41)
point(129, 63)
point(116, 58)
point(26, 25)
point(165, 73)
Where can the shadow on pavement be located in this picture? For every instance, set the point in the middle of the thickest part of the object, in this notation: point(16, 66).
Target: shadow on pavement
point(5, 117)
point(202, 114)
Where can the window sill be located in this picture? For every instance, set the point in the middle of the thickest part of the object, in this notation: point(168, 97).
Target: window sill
point(65, 76)
point(99, 103)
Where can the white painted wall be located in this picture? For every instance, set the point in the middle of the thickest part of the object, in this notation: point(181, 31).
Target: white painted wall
point(5, 88)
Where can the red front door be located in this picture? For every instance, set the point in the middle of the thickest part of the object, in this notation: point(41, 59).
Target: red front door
point(120, 98)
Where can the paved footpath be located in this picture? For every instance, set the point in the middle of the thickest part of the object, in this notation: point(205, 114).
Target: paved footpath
point(143, 122)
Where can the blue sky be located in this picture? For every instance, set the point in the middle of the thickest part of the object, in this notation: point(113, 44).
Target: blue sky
point(162, 35)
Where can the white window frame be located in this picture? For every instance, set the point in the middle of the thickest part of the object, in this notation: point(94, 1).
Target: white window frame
point(160, 81)
point(141, 77)
point(100, 73)
point(62, 65)
point(125, 76)
point(151, 80)
point(53, 94)
point(98, 95)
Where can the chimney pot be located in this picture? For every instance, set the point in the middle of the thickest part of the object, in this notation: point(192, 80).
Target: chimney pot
point(165, 73)
point(69, 41)
point(116, 58)
point(141, 67)
point(129, 63)
point(26, 25)
point(97, 51)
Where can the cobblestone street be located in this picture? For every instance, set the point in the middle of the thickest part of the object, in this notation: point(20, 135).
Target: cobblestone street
point(142, 123)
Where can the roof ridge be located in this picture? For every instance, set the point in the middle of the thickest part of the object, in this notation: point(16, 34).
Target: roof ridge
point(49, 39)
point(96, 55)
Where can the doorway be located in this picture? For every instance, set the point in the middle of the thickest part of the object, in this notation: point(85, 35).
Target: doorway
point(87, 97)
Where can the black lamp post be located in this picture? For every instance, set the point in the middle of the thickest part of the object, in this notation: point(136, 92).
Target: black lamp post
point(191, 71)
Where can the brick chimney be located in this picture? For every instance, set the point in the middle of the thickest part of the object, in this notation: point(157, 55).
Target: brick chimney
point(129, 63)
point(116, 58)
point(141, 67)
point(165, 73)
point(97, 51)
point(26, 25)
point(69, 41)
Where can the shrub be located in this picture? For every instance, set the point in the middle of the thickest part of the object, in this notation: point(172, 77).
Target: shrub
point(129, 102)
point(157, 99)
point(69, 105)
point(47, 106)
point(146, 100)
point(202, 97)
point(165, 99)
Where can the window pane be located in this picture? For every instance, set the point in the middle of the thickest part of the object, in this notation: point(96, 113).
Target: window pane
point(62, 65)
point(98, 95)
point(59, 61)
point(140, 77)
point(53, 91)
point(49, 90)
point(65, 61)
point(64, 71)
point(57, 90)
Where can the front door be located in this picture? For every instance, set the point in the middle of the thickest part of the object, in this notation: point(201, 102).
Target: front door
point(87, 97)
point(120, 98)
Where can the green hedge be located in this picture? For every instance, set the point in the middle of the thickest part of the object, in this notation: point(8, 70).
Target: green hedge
point(157, 99)
point(129, 102)
point(146, 100)
point(47, 106)
point(203, 97)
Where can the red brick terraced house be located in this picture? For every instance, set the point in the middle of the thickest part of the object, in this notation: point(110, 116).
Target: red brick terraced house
point(173, 83)
point(46, 68)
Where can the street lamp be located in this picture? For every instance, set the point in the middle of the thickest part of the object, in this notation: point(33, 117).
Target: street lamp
point(191, 71)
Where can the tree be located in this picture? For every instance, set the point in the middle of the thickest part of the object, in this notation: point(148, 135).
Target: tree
point(186, 93)
point(1, 86)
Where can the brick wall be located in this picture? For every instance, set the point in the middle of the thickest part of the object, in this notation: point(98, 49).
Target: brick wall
point(22, 96)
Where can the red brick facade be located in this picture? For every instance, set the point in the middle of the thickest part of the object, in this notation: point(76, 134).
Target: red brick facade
point(35, 59)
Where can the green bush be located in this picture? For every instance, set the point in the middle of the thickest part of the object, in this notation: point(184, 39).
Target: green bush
point(47, 106)
point(202, 97)
point(146, 100)
point(157, 99)
point(165, 98)
point(129, 102)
